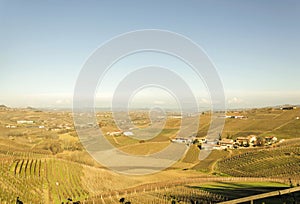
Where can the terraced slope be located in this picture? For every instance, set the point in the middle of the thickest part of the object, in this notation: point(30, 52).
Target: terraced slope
point(282, 161)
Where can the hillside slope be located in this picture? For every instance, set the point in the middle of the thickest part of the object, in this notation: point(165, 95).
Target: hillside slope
point(281, 161)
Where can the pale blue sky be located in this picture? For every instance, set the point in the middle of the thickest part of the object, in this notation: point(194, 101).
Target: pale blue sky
point(255, 44)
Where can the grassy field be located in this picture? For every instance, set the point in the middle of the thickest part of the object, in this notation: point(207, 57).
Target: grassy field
point(145, 148)
point(192, 155)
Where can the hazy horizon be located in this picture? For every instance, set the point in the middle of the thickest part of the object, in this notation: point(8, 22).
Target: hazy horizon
point(108, 108)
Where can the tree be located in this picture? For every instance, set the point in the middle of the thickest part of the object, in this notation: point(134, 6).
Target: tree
point(260, 141)
point(228, 136)
point(19, 201)
point(199, 146)
point(55, 148)
point(196, 141)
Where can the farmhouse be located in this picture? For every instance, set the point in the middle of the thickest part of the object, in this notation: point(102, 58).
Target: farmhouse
point(226, 144)
point(247, 141)
point(252, 140)
point(10, 126)
point(176, 116)
point(24, 122)
point(270, 140)
point(117, 133)
point(202, 139)
point(242, 141)
point(182, 140)
point(127, 133)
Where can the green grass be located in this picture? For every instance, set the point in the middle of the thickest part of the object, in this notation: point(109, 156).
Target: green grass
point(234, 185)
point(243, 189)
point(239, 190)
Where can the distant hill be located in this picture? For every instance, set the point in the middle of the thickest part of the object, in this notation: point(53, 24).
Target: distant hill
point(33, 109)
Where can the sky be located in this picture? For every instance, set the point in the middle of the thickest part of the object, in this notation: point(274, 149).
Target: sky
point(254, 45)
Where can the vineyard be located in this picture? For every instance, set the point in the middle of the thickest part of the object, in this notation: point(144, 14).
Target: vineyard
point(46, 179)
point(196, 190)
point(39, 180)
point(179, 194)
point(20, 175)
point(282, 161)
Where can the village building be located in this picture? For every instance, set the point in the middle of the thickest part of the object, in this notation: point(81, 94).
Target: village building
point(226, 144)
point(182, 140)
point(242, 141)
point(250, 140)
point(127, 133)
point(270, 140)
point(25, 122)
point(117, 133)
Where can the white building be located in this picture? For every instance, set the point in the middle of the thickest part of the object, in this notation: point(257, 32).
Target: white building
point(127, 133)
point(25, 122)
point(114, 133)
point(182, 140)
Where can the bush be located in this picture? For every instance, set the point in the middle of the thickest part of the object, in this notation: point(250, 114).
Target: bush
point(55, 148)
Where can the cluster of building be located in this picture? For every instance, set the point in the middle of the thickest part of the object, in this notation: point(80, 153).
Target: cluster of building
point(249, 141)
point(20, 122)
point(222, 144)
point(41, 125)
point(182, 140)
